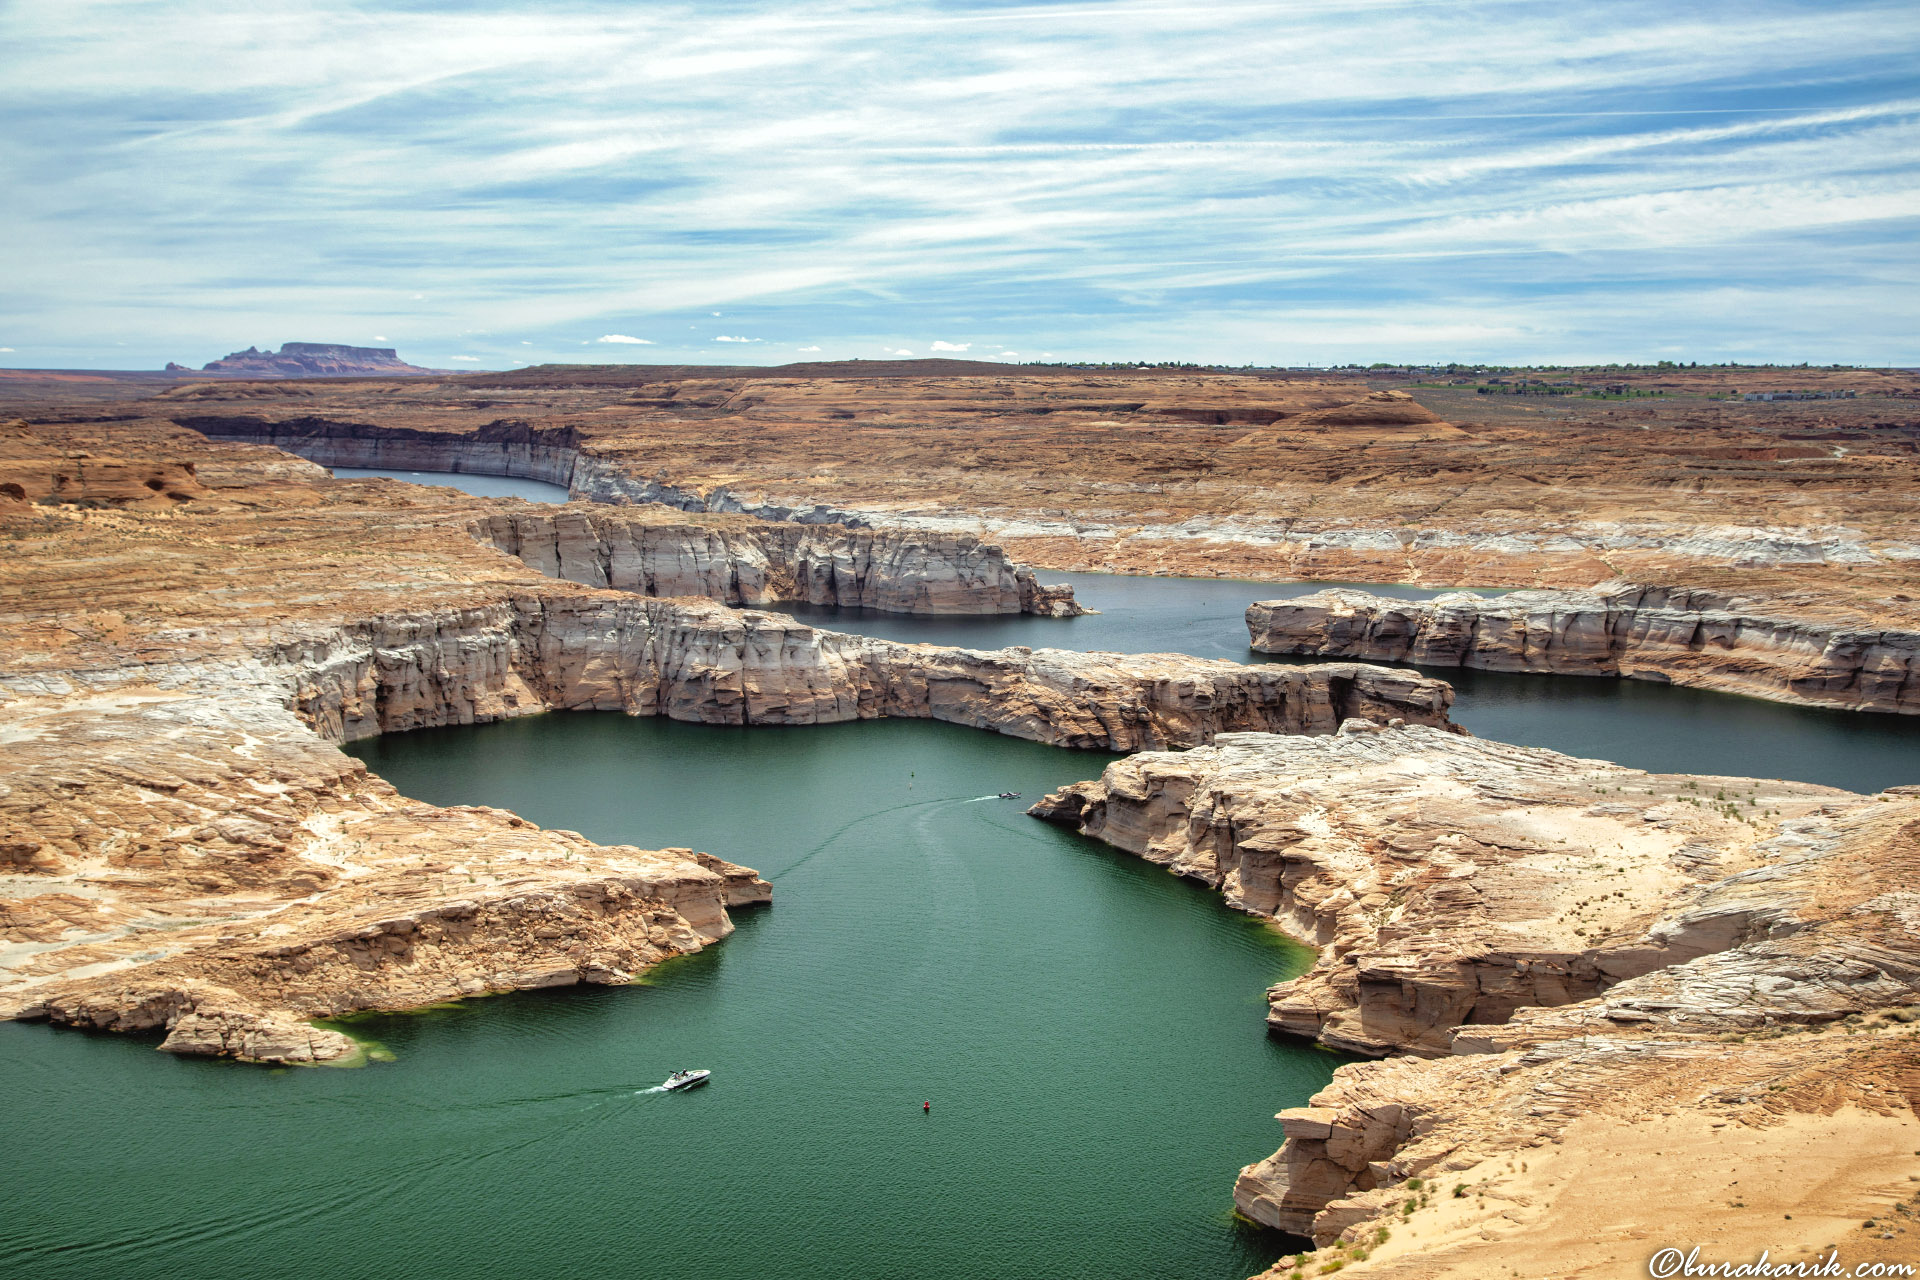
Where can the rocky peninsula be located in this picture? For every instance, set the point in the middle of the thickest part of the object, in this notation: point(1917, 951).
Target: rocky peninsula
point(1557, 951)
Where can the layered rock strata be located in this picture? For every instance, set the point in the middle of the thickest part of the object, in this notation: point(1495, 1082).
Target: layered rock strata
point(505, 447)
point(771, 564)
point(698, 661)
point(501, 447)
point(143, 795)
point(1546, 940)
point(1672, 635)
point(1497, 550)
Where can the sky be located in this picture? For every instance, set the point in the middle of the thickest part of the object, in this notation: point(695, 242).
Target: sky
point(486, 185)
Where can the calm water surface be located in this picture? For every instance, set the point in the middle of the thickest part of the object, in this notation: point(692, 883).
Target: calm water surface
point(479, 485)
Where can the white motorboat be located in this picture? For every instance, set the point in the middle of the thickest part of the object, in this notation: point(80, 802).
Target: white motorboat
point(686, 1080)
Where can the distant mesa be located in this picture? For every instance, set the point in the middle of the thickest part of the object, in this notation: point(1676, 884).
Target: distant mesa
point(311, 360)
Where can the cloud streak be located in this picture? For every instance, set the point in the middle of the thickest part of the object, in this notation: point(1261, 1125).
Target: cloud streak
point(1234, 181)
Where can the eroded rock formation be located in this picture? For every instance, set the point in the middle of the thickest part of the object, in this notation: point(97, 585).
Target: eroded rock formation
point(639, 547)
point(1668, 634)
point(186, 856)
point(642, 550)
point(1445, 881)
point(30, 472)
point(1550, 940)
point(698, 661)
point(312, 360)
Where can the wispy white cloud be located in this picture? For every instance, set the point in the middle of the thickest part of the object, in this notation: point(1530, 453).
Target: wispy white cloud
point(952, 346)
point(1547, 179)
point(465, 359)
point(806, 348)
point(726, 338)
point(900, 352)
point(616, 337)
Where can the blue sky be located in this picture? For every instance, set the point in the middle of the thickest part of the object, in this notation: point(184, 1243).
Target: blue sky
point(481, 185)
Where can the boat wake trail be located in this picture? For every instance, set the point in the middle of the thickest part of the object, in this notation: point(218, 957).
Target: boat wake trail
point(978, 799)
point(659, 1088)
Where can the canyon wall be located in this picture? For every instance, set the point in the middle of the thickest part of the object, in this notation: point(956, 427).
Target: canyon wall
point(697, 661)
point(1633, 631)
point(1447, 882)
point(501, 448)
point(762, 564)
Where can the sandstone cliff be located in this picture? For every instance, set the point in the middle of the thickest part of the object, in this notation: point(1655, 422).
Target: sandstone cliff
point(770, 564)
point(1668, 634)
point(1445, 881)
point(503, 447)
point(1557, 941)
point(143, 791)
point(698, 661)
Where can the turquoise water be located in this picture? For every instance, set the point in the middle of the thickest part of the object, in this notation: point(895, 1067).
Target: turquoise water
point(480, 485)
point(1088, 1028)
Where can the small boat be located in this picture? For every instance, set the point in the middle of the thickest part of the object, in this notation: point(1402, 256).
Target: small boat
point(686, 1080)
point(1009, 795)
